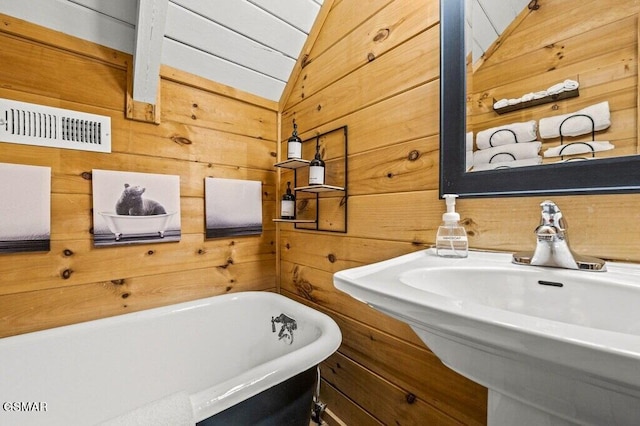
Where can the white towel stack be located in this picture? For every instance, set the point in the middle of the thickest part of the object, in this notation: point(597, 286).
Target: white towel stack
point(173, 410)
point(508, 134)
point(576, 148)
point(506, 154)
point(509, 164)
point(578, 125)
point(512, 145)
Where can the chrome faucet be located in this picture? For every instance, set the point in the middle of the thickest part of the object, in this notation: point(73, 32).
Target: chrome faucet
point(287, 328)
point(552, 247)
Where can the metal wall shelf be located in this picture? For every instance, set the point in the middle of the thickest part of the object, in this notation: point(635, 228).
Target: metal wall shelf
point(295, 164)
point(295, 220)
point(319, 188)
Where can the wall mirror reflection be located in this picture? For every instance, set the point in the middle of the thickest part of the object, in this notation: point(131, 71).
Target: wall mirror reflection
point(541, 97)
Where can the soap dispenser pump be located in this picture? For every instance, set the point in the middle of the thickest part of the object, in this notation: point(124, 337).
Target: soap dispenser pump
point(451, 240)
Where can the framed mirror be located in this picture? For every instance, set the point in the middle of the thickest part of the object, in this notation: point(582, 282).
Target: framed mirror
point(608, 174)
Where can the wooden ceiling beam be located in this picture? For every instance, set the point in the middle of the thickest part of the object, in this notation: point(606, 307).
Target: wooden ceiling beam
point(150, 30)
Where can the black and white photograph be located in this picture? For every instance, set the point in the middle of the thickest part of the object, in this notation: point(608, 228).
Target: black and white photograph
point(233, 207)
point(135, 208)
point(25, 211)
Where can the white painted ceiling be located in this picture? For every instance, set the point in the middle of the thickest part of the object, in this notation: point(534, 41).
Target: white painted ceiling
point(250, 45)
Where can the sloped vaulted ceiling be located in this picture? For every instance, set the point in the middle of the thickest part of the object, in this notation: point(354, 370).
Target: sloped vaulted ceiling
point(250, 45)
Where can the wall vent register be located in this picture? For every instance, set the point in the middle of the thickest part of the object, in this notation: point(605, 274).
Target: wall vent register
point(31, 124)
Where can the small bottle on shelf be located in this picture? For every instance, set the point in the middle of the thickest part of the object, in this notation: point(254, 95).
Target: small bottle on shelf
point(294, 144)
point(316, 168)
point(288, 204)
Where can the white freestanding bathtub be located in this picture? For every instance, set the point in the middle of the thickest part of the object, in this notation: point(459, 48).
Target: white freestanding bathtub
point(218, 351)
point(122, 225)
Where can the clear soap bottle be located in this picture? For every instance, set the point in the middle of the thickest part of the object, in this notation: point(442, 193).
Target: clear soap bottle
point(451, 239)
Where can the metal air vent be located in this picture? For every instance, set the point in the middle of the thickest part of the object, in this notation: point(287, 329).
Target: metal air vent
point(32, 124)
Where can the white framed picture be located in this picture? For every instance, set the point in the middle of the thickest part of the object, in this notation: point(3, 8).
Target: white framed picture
point(25, 210)
point(233, 207)
point(135, 208)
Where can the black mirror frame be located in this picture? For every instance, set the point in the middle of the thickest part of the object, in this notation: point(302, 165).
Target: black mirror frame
point(603, 176)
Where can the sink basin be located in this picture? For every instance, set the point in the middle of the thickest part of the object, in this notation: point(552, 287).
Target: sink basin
point(553, 346)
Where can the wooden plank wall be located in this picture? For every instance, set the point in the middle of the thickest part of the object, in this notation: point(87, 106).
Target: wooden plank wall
point(206, 130)
point(375, 68)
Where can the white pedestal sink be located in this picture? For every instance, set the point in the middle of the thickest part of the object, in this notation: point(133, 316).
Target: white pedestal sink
point(554, 346)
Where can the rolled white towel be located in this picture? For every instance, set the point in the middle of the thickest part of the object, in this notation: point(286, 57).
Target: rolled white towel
point(570, 85)
point(539, 95)
point(511, 152)
point(579, 125)
point(501, 103)
point(572, 160)
point(527, 97)
point(173, 410)
point(508, 164)
point(555, 89)
point(514, 101)
point(575, 148)
point(502, 135)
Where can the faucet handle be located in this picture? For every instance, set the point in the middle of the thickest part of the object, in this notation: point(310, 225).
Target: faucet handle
point(551, 215)
point(552, 225)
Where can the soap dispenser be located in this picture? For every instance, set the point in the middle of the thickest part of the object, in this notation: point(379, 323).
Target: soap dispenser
point(451, 240)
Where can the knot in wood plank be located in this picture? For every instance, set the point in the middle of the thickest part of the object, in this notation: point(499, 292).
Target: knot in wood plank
point(413, 155)
point(381, 35)
point(181, 140)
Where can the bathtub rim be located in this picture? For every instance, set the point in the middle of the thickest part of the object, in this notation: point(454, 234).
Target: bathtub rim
point(206, 403)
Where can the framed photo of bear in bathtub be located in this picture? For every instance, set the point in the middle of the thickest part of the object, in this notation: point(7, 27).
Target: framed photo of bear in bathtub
point(135, 208)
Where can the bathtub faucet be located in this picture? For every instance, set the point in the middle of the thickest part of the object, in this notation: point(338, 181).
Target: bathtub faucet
point(286, 330)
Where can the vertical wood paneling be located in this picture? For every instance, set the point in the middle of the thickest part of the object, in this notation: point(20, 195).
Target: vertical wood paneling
point(394, 206)
point(206, 130)
point(385, 88)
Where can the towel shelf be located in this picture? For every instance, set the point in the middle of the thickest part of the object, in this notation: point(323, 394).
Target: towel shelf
point(593, 136)
point(534, 102)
